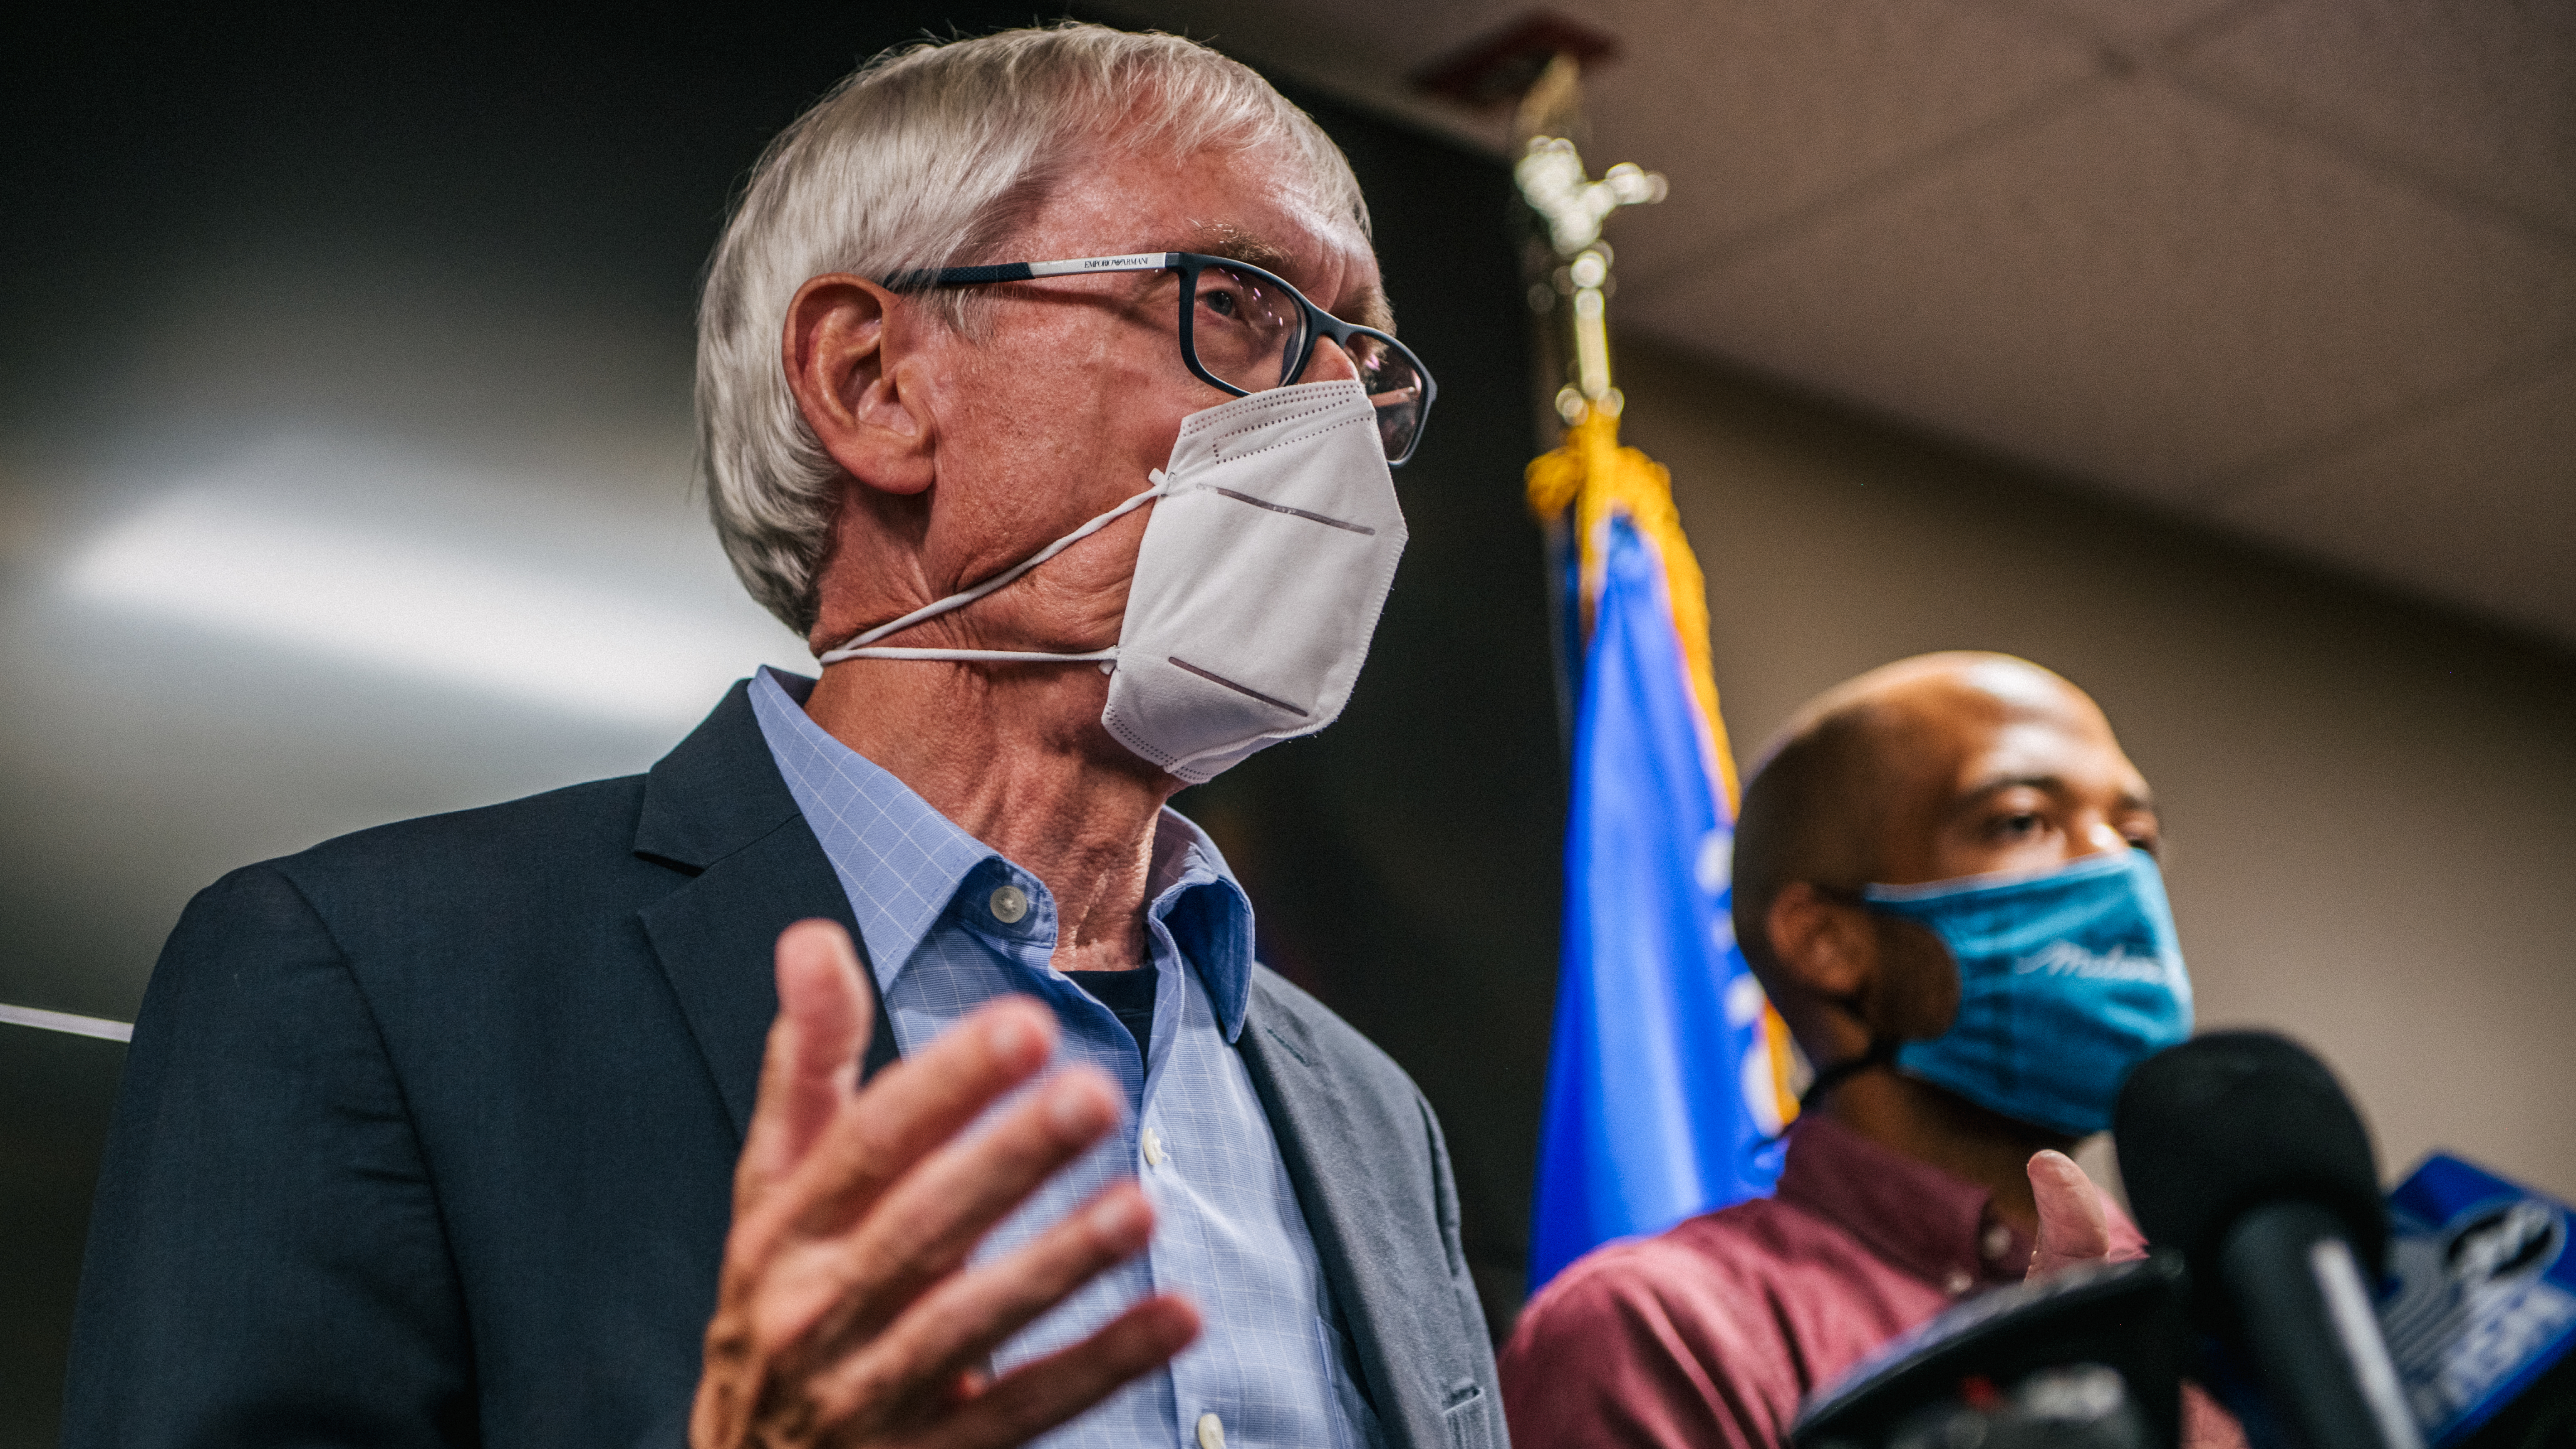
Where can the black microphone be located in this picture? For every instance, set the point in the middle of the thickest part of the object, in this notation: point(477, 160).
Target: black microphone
point(2240, 1150)
point(2088, 1358)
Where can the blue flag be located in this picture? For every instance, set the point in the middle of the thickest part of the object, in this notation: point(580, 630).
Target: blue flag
point(1665, 1090)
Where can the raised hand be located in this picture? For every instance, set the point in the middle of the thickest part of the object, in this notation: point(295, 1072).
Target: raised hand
point(847, 1314)
point(2074, 1229)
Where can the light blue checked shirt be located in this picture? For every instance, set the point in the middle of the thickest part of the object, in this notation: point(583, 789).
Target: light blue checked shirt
point(1273, 1365)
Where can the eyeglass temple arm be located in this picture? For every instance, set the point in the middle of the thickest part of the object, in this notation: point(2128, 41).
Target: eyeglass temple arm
point(1025, 271)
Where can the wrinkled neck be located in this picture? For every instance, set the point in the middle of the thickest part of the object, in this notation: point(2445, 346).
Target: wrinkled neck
point(1017, 758)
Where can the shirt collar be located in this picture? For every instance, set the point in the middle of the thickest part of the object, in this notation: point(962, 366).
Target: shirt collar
point(904, 864)
point(1198, 900)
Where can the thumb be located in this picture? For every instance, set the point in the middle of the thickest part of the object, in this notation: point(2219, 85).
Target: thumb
point(812, 1062)
point(2073, 1228)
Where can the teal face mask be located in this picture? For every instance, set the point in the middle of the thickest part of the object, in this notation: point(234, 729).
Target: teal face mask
point(2066, 981)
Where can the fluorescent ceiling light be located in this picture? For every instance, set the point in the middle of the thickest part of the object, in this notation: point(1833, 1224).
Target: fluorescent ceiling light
point(373, 597)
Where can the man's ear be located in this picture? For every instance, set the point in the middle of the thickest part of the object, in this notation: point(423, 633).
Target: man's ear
point(853, 353)
point(1824, 945)
point(1826, 957)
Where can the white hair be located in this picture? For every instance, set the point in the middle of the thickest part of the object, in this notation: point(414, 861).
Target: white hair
point(930, 156)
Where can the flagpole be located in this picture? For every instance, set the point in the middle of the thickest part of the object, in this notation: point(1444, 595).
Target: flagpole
point(1569, 284)
point(1592, 477)
point(1668, 1083)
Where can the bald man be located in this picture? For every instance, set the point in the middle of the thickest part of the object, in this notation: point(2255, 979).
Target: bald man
point(1945, 879)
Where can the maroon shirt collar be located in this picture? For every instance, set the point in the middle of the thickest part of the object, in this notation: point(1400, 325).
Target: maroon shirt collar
point(1913, 1216)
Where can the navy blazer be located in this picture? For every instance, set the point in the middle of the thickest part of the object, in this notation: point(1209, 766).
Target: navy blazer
point(427, 1134)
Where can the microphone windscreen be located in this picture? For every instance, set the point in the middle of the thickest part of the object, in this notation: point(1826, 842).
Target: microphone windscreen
point(2230, 1121)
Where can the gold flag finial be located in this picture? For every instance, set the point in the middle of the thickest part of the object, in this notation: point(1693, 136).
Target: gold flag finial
point(1574, 206)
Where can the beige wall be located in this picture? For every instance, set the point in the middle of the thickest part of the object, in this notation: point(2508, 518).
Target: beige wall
point(2371, 807)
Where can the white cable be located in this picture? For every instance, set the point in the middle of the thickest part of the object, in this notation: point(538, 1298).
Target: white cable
point(997, 656)
point(64, 1021)
point(855, 646)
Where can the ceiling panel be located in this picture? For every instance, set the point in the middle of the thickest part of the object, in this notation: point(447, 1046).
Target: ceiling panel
point(1761, 114)
point(2477, 504)
point(2479, 92)
point(2131, 22)
point(2189, 250)
point(1757, 112)
point(2145, 291)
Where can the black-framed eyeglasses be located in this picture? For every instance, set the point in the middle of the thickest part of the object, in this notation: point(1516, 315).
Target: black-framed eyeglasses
point(1245, 330)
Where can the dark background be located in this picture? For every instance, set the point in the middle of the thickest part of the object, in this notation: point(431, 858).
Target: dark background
point(475, 222)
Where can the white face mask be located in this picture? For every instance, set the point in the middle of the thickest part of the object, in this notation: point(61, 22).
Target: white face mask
point(1257, 585)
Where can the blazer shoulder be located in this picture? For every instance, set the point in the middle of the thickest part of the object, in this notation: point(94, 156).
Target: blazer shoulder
point(596, 816)
point(557, 856)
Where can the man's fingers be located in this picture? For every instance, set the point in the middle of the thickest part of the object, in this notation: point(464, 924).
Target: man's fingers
point(1037, 1396)
point(812, 1061)
point(964, 1318)
point(2072, 1226)
point(915, 1106)
point(923, 1228)
point(791, 1281)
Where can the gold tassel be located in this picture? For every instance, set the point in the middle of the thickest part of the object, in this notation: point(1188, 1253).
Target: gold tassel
point(1595, 476)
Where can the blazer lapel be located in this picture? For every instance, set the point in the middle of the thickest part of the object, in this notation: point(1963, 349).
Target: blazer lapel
point(717, 809)
point(1369, 1216)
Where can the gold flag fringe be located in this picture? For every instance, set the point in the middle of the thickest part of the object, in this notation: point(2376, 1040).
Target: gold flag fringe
point(1592, 474)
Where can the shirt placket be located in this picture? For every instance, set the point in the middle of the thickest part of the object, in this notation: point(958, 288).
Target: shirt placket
point(1094, 1035)
point(1201, 1391)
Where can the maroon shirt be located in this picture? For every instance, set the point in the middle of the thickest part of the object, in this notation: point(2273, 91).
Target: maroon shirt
point(1713, 1333)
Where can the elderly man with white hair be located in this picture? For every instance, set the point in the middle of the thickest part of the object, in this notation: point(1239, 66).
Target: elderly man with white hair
point(889, 1064)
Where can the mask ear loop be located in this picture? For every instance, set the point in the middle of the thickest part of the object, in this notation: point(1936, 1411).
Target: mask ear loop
point(1881, 1051)
point(857, 645)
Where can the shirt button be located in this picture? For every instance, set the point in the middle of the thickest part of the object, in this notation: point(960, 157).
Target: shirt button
point(1958, 1282)
point(1154, 1158)
point(1211, 1432)
point(1997, 1242)
point(1010, 904)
